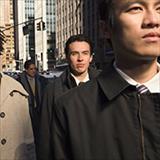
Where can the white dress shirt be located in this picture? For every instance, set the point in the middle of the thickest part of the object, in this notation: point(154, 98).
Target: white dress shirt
point(153, 84)
point(78, 81)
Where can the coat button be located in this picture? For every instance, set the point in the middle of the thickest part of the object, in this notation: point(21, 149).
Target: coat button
point(2, 114)
point(3, 141)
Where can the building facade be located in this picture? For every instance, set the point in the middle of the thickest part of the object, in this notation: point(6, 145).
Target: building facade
point(6, 25)
point(51, 35)
point(40, 35)
point(34, 31)
point(24, 31)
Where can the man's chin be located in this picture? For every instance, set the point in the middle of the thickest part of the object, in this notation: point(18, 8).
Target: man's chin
point(79, 72)
point(32, 76)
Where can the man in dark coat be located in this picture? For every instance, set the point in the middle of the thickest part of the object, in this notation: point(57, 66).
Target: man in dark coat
point(117, 115)
point(79, 55)
point(34, 84)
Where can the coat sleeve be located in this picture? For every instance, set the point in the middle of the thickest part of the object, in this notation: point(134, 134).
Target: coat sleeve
point(44, 146)
point(59, 135)
point(28, 132)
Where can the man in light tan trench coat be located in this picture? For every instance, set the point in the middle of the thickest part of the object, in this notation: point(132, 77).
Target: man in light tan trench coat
point(16, 135)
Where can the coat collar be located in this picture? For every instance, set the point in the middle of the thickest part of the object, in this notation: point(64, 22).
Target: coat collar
point(9, 86)
point(111, 82)
point(70, 81)
point(67, 79)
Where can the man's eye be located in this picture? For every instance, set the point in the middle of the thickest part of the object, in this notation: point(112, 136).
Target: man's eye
point(158, 9)
point(86, 53)
point(74, 53)
point(134, 9)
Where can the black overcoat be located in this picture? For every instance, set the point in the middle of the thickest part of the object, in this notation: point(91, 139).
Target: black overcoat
point(40, 84)
point(58, 87)
point(106, 119)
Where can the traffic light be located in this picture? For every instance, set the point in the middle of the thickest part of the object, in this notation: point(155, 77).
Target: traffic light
point(25, 30)
point(43, 26)
point(39, 26)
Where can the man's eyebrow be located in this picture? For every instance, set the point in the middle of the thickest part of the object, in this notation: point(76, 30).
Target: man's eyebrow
point(131, 2)
point(142, 2)
point(86, 51)
point(74, 51)
point(158, 2)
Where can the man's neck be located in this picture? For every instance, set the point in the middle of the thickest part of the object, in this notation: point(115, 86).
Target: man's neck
point(81, 76)
point(140, 72)
point(31, 77)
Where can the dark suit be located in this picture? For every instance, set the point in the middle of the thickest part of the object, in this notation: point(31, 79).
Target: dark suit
point(59, 86)
point(106, 119)
point(40, 83)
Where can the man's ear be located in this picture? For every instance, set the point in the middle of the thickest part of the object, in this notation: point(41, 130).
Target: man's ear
point(91, 58)
point(104, 30)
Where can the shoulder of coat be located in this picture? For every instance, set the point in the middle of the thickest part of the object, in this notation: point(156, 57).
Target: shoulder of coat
point(15, 86)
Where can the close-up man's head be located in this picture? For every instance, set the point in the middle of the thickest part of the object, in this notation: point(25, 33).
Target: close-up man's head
point(79, 52)
point(30, 68)
point(133, 27)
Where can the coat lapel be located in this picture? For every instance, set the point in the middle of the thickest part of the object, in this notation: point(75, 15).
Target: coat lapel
point(112, 83)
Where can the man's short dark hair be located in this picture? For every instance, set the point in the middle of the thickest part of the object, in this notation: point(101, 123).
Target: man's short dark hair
point(78, 38)
point(106, 8)
point(28, 63)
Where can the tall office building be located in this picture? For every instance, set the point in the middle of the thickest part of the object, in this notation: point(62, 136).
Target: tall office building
point(34, 31)
point(24, 31)
point(6, 23)
point(51, 35)
point(46, 32)
point(40, 34)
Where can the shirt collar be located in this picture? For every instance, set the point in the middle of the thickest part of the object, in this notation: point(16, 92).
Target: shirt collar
point(30, 78)
point(153, 84)
point(78, 81)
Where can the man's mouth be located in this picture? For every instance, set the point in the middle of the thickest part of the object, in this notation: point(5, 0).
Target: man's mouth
point(152, 37)
point(80, 65)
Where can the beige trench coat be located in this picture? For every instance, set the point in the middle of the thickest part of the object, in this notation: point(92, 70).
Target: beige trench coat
point(16, 136)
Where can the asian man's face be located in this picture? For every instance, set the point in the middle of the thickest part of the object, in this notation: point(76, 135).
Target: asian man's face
point(136, 30)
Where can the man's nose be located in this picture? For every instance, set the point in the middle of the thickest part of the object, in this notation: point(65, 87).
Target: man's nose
point(80, 57)
point(151, 19)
